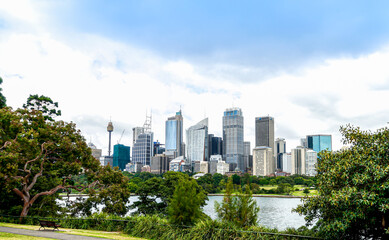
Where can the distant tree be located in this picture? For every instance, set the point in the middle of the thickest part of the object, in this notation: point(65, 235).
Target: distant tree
point(240, 210)
point(273, 182)
point(44, 104)
point(284, 188)
point(161, 189)
point(2, 98)
point(299, 181)
point(185, 206)
point(236, 179)
point(353, 188)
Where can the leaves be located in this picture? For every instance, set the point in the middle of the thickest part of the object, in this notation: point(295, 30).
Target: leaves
point(353, 187)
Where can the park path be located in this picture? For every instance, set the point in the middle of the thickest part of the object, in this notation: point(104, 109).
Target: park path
point(47, 234)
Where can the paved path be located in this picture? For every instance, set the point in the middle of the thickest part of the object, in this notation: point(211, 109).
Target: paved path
point(47, 234)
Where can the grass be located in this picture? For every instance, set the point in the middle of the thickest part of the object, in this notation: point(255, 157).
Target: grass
point(81, 232)
point(12, 236)
point(301, 193)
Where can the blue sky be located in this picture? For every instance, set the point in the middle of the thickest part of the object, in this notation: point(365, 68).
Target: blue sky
point(259, 32)
point(313, 65)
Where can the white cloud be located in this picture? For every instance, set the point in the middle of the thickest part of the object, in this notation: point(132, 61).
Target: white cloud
point(94, 78)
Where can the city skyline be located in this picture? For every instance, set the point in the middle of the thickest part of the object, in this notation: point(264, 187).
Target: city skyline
point(310, 68)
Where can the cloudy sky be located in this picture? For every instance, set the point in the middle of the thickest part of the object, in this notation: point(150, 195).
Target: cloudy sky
point(312, 65)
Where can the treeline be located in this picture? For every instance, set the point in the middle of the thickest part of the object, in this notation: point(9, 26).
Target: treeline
point(216, 183)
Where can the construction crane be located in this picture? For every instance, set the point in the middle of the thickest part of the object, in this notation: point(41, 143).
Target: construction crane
point(121, 136)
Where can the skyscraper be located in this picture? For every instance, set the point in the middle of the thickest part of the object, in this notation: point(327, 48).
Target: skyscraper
point(264, 132)
point(143, 149)
point(263, 161)
point(233, 138)
point(319, 142)
point(310, 163)
point(121, 156)
point(174, 135)
point(280, 147)
point(246, 154)
point(298, 156)
point(197, 141)
point(215, 145)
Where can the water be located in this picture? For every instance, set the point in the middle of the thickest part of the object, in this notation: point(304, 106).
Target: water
point(273, 213)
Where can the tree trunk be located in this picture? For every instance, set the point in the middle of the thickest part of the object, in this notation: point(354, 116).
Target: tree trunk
point(24, 212)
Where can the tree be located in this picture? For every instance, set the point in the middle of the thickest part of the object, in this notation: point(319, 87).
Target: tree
point(44, 104)
point(185, 206)
point(2, 98)
point(38, 157)
point(241, 210)
point(353, 188)
point(113, 193)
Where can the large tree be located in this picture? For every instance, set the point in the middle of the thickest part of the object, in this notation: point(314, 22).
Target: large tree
point(2, 98)
point(353, 188)
point(44, 104)
point(40, 157)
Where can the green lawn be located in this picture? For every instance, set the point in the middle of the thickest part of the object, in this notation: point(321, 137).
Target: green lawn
point(11, 236)
point(81, 232)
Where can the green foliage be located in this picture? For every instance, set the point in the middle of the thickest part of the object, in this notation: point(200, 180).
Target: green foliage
point(43, 104)
point(240, 210)
point(39, 157)
point(159, 188)
point(353, 188)
point(2, 98)
point(284, 188)
point(185, 206)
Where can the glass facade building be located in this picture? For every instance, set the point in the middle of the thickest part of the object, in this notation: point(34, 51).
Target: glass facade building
point(233, 134)
point(143, 149)
point(280, 148)
point(319, 142)
point(264, 132)
point(121, 156)
point(174, 134)
point(197, 141)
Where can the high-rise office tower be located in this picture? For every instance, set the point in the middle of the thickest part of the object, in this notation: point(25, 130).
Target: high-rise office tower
point(319, 142)
point(174, 135)
point(263, 161)
point(264, 132)
point(215, 145)
point(298, 156)
point(280, 147)
point(96, 153)
point(136, 131)
point(310, 163)
point(143, 149)
point(121, 156)
point(197, 141)
point(233, 138)
point(246, 155)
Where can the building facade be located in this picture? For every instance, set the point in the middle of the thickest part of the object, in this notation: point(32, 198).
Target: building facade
point(121, 156)
point(96, 153)
point(298, 160)
point(233, 134)
point(174, 134)
point(280, 148)
point(215, 145)
point(319, 142)
point(264, 132)
point(263, 161)
point(246, 155)
point(143, 149)
point(310, 163)
point(197, 141)
point(159, 164)
point(286, 162)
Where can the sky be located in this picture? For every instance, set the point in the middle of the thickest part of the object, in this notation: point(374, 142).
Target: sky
point(312, 65)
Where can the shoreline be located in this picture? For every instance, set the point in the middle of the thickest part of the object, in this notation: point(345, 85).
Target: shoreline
point(210, 194)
